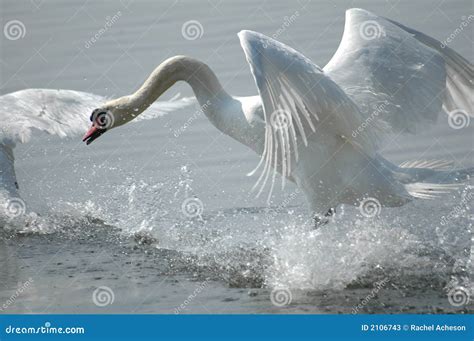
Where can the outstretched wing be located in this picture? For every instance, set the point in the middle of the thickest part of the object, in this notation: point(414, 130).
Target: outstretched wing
point(298, 99)
point(59, 112)
point(399, 75)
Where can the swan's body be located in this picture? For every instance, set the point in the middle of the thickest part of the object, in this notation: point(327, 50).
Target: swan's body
point(306, 121)
point(56, 112)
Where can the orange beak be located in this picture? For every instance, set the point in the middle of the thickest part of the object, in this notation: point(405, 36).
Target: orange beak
point(92, 134)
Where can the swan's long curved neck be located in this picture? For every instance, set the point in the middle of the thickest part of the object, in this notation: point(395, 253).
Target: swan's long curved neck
point(209, 92)
point(223, 111)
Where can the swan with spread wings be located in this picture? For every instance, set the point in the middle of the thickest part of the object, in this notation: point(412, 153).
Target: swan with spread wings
point(321, 128)
point(56, 112)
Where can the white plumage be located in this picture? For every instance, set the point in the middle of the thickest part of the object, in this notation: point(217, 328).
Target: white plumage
point(321, 128)
point(56, 112)
point(384, 78)
point(59, 112)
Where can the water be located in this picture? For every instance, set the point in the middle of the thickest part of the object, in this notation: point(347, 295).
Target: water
point(168, 223)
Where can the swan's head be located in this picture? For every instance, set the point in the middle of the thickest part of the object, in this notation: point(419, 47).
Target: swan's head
point(110, 115)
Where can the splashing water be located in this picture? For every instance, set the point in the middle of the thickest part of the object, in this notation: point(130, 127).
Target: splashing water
point(277, 247)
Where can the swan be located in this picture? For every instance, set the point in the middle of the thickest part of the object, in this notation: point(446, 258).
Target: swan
point(322, 128)
point(56, 112)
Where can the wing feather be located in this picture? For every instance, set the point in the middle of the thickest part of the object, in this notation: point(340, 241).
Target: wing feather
point(298, 98)
point(412, 76)
point(60, 112)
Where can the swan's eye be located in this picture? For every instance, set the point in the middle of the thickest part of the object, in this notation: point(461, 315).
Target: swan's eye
point(102, 119)
point(94, 114)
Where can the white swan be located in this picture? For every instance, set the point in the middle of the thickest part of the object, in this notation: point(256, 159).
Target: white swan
point(57, 112)
point(321, 128)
